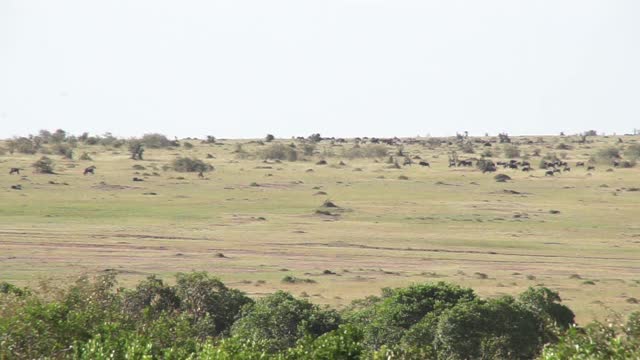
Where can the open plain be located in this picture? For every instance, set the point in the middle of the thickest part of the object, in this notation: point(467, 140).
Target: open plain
point(253, 222)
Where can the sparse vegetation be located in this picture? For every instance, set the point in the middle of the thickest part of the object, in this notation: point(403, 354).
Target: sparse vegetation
point(186, 164)
point(279, 152)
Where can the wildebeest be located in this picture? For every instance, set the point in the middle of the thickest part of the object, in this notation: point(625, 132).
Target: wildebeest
point(201, 175)
point(424, 163)
point(90, 170)
point(566, 168)
point(548, 173)
point(14, 171)
point(526, 168)
point(580, 163)
point(589, 168)
point(465, 163)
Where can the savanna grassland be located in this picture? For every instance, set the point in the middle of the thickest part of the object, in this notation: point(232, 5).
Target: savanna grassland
point(253, 222)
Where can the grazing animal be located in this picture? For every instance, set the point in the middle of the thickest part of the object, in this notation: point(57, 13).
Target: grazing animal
point(16, 187)
point(465, 163)
point(424, 163)
point(566, 168)
point(526, 168)
point(580, 163)
point(407, 161)
point(589, 168)
point(14, 171)
point(137, 179)
point(548, 173)
point(201, 175)
point(90, 170)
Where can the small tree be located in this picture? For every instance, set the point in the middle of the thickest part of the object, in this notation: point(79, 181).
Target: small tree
point(43, 166)
point(511, 151)
point(269, 138)
point(136, 148)
point(185, 164)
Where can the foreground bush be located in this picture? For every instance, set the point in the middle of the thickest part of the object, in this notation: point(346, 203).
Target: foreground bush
point(200, 318)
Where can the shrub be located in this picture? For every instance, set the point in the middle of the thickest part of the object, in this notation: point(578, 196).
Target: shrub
point(633, 152)
point(85, 157)
point(367, 151)
point(188, 145)
point(595, 341)
point(22, 145)
point(494, 329)
point(511, 151)
point(43, 166)
point(269, 138)
point(136, 149)
point(546, 303)
point(63, 149)
point(387, 319)
point(279, 152)
point(308, 149)
point(156, 141)
point(280, 320)
point(467, 148)
point(185, 164)
point(213, 306)
point(607, 155)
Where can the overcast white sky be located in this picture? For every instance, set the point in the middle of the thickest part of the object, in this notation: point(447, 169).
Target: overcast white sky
point(342, 68)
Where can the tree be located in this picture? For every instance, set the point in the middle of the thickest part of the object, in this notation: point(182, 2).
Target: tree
point(269, 138)
point(209, 302)
point(185, 164)
point(494, 329)
point(279, 320)
point(385, 320)
point(43, 166)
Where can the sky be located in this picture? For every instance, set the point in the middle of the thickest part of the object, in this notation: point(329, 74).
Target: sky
point(245, 68)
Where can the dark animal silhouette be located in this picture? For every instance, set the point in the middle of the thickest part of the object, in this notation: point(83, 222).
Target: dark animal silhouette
point(90, 170)
point(548, 173)
point(579, 163)
point(14, 171)
point(566, 168)
point(526, 168)
point(589, 168)
point(424, 163)
point(201, 175)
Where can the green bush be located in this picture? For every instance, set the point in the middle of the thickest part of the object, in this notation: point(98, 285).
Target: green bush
point(156, 141)
point(185, 164)
point(386, 320)
point(494, 329)
point(607, 155)
point(279, 320)
point(22, 145)
point(279, 152)
point(43, 166)
point(201, 318)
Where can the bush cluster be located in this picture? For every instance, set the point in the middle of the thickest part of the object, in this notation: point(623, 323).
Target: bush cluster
point(201, 318)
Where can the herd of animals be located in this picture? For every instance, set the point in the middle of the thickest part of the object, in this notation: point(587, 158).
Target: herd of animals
point(551, 167)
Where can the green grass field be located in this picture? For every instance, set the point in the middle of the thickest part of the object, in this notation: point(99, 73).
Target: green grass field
point(451, 224)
